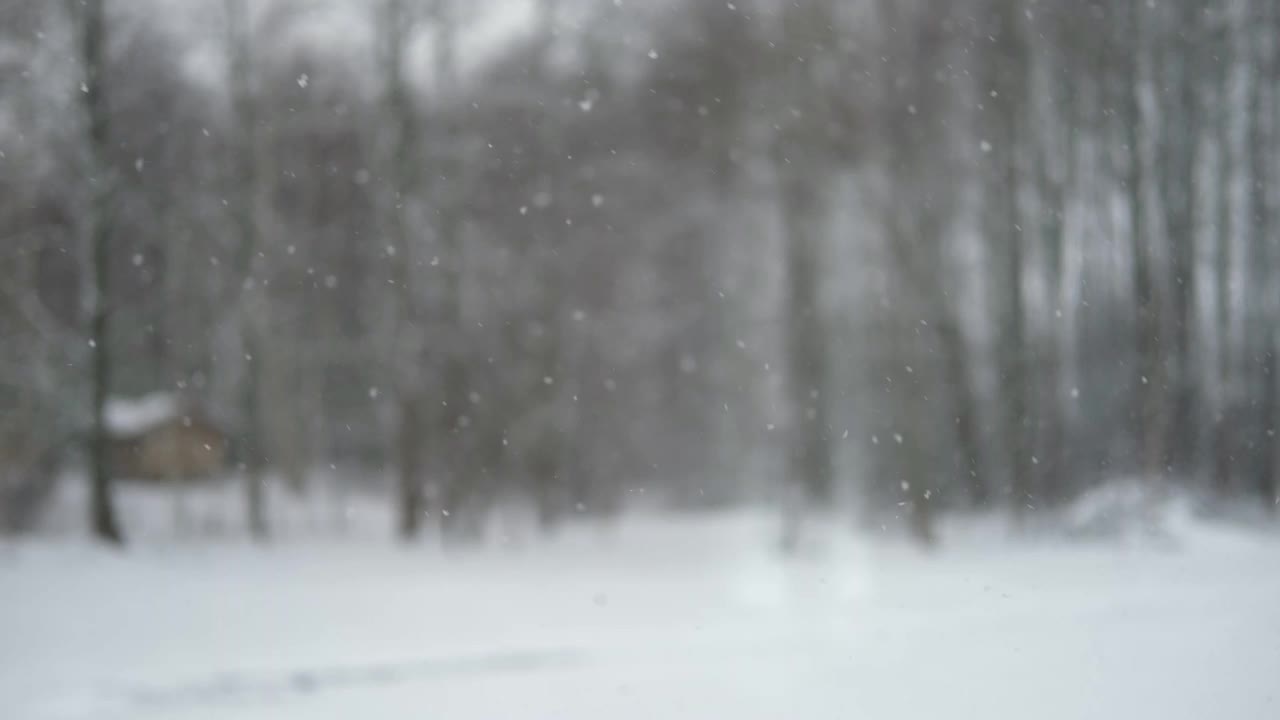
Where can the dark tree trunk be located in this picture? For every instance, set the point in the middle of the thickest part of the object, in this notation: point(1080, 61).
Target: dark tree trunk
point(405, 351)
point(1224, 460)
point(1266, 299)
point(409, 479)
point(102, 507)
point(1005, 229)
point(1181, 121)
point(253, 299)
point(456, 449)
point(102, 516)
point(809, 450)
point(1013, 365)
point(254, 460)
point(1149, 381)
point(964, 403)
point(1270, 483)
point(1052, 435)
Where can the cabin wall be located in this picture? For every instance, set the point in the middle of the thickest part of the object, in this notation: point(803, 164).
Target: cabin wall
point(172, 451)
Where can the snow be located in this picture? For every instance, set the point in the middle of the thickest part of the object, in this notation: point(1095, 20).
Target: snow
point(133, 416)
point(659, 616)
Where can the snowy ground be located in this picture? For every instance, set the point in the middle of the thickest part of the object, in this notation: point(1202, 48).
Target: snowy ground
point(661, 617)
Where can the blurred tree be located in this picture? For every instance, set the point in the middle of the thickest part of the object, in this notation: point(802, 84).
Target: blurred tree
point(399, 167)
point(102, 179)
point(1002, 124)
point(253, 306)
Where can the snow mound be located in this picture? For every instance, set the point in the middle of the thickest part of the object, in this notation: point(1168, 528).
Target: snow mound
point(1128, 510)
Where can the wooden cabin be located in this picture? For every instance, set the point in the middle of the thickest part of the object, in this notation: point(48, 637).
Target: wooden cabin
point(163, 438)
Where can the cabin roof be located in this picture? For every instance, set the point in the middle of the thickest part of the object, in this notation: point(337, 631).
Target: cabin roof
point(137, 415)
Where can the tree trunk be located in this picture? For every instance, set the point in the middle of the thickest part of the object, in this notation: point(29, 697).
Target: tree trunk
point(254, 477)
point(253, 299)
point(284, 423)
point(409, 443)
point(1229, 231)
point(460, 475)
point(102, 516)
point(809, 444)
point(1270, 484)
point(1013, 354)
point(405, 350)
point(1149, 381)
point(1266, 301)
point(964, 403)
point(102, 506)
point(1182, 129)
point(1007, 82)
point(1055, 470)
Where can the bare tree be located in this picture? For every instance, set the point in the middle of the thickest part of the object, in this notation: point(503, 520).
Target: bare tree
point(253, 305)
point(400, 160)
point(446, 192)
point(1004, 86)
point(1266, 110)
point(919, 210)
point(98, 236)
point(798, 153)
point(1150, 381)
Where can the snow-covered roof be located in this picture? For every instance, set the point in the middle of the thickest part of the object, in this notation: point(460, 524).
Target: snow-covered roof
point(134, 416)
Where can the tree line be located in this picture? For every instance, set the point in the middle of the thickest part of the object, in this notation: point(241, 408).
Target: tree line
point(886, 254)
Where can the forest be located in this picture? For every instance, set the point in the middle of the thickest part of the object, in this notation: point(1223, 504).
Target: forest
point(895, 260)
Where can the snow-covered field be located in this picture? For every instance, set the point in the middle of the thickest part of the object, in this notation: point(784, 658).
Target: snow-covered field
point(658, 617)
